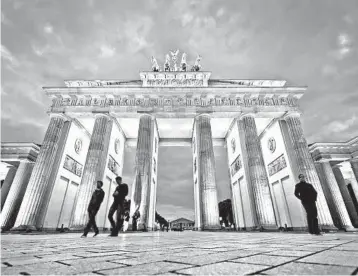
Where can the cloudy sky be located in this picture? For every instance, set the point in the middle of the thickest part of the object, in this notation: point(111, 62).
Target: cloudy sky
point(311, 43)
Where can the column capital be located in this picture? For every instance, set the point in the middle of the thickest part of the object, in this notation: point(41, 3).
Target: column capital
point(152, 117)
point(354, 160)
point(323, 160)
point(102, 114)
point(337, 166)
point(295, 114)
point(203, 115)
point(26, 161)
point(60, 115)
point(247, 114)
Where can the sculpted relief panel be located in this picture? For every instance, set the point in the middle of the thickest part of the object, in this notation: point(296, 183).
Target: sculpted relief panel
point(162, 101)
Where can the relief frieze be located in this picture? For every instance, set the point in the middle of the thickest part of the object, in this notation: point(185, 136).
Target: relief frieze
point(73, 166)
point(175, 82)
point(277, 165)
point(112, 165)
point(175, 101)
point(235, 166)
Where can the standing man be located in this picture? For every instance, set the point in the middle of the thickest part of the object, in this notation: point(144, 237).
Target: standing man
point(308, 196)
point(118, 205)
point(93, 207)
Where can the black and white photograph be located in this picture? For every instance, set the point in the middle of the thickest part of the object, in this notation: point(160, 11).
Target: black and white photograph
point(179, 137)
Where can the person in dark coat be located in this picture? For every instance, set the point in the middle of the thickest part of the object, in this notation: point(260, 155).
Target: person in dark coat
point(93, 207)
point(119, 196)
point(135, 219)
point(308, 195)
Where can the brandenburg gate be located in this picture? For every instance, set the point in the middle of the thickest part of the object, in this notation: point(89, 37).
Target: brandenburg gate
point(92, 122)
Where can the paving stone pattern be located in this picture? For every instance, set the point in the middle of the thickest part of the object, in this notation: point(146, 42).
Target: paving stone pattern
point(180, 253)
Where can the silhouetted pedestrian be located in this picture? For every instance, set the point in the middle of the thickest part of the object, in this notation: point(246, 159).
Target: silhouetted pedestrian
point(93, 207)
point(308, 196)
point(118, 206)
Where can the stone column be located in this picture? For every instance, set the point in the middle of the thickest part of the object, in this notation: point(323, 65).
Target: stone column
point(354, 166)
point(257, 173)
point(333, 195)
point(206, 175)
point(144, 154)
point(16, 194)
point(346, 196)
point(94, 167)
point(28, 215)
point(7, 184)
point(305, 165)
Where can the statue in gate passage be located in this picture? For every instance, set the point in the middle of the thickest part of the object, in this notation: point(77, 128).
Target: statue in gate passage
point(155, 66)
point(196, 66)
point(167, 63)
point(183, 63)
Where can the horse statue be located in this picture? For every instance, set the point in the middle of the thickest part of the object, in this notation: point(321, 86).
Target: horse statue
point(167, 63)
point(183, 63)
point(155, 66)
point(174, 58)
point(196, 66)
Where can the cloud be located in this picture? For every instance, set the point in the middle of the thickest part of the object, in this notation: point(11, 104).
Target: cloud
point(329, 70)
point(8, 56)
point(343, 40)
point(137, 29)
point(5, 20)
point(48, 28)
point(341, 125)
point(348, 19)
point(335, 131)
point(186, 19)
point(107, 51)
point(220, 12)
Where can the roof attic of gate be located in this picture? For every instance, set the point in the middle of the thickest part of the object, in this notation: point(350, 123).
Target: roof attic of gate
point(164, 83)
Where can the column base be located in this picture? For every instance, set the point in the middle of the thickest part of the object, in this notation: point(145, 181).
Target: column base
point(78, 228)
point(268, 228)
point(25, 228)
point(142, 227)
point(350, 229)
point(328, 228)
point(211, 228)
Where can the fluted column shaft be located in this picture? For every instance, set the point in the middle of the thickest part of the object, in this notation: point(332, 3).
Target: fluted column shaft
point(16, 194)
point(7, 184)
point(346, 196)
point(94, 167)
point(31, 205)
point(257, 173)
point(143, 161)
point(354, 166)
point(206, 179)
point(306, 166)
point(333, 194)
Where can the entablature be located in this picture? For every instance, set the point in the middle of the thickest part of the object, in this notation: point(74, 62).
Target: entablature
point(334, 150)
point(19, 151)
point(176, 100)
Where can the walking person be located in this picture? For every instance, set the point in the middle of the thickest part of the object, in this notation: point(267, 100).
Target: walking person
point(93, 207)
point(117, 206)
point(308, 196)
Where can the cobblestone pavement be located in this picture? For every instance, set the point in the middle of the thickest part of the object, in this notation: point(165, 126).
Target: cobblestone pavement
point(173, 253)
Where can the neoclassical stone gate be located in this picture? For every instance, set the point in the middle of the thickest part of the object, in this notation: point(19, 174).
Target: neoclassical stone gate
point(258, 121)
